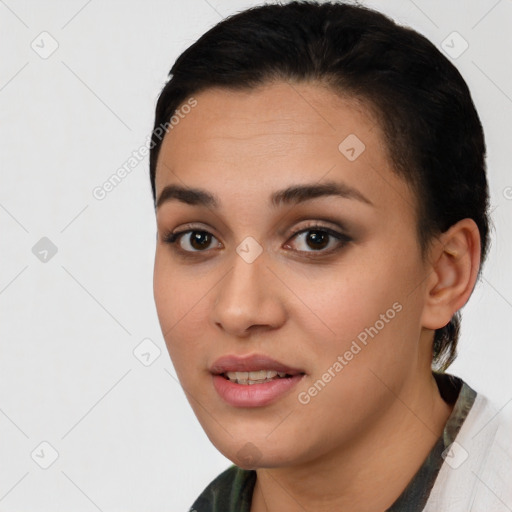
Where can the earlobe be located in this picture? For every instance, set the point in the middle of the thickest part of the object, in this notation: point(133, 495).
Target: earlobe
point(453, 273)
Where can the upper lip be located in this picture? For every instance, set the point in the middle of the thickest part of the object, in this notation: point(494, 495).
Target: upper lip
point(250, 363)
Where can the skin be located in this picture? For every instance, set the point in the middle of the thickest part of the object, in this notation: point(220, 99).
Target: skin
point(359, 441)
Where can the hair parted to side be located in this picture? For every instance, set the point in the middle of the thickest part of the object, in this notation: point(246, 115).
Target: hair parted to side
point(433, 133)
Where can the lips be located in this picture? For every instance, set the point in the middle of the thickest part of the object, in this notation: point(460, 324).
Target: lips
point(252, 363)
point(253, 381)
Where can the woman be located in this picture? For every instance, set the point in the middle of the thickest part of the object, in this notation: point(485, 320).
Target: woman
point(322, 206)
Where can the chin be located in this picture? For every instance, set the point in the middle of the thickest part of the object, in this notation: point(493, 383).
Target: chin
point(255, 452)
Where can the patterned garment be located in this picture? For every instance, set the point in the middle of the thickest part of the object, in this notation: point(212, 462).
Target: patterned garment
point(232, 490)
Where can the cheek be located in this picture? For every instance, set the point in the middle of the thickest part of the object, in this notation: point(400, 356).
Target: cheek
point(176, 291)
point(369, 302)
point(347, 300)
point(182, 303)
point(374, 342)
point(163, 285)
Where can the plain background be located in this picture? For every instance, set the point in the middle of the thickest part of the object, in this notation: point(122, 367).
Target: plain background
point(123, 433)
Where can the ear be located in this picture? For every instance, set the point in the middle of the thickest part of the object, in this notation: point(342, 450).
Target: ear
point(454, 264)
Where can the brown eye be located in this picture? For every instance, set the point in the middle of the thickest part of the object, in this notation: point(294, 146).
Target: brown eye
point(191, 240)
point(317, 239)
point(200, 240)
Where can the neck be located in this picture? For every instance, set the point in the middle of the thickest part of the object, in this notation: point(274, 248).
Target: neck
point(370, 473)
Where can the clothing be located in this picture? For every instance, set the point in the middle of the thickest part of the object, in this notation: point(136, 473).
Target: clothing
point(479, 479)
point(469, 467)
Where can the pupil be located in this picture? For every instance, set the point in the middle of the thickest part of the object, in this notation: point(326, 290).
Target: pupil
point(319, 238)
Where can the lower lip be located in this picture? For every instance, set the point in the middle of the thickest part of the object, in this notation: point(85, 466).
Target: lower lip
point(254, 395)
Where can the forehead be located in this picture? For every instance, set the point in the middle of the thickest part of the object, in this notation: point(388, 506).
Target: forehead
point(266, 138)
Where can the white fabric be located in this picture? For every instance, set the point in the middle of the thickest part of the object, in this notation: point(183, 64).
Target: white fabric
point(476, 475)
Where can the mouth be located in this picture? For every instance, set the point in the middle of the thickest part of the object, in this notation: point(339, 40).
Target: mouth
point(256, 377)
point(253, 381)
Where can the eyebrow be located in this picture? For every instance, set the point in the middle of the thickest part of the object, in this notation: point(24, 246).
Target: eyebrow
point(291, 195)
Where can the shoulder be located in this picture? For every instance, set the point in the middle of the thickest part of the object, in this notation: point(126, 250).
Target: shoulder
point(229, 491)
point(475, 474)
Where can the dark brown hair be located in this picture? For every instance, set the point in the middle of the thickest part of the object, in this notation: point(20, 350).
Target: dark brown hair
point(433, 133)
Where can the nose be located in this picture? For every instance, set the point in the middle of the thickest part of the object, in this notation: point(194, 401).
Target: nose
point(249, 298)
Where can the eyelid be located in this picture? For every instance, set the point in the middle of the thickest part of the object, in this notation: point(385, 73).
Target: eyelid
point(332, 227)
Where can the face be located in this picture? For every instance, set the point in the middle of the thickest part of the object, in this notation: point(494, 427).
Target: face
point(295, 256)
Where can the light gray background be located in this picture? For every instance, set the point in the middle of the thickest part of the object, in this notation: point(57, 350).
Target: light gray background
point(124, 433)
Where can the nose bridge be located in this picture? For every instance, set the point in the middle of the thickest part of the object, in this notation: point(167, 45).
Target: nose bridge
point(245, 296)
point(242, 286)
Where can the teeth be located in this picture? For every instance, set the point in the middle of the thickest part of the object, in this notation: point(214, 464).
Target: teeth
point(262, 374)
point(256, 377)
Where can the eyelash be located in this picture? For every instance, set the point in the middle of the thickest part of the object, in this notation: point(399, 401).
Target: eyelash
point(171, 239)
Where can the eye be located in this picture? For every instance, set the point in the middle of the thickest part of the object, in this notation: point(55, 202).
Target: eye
point(313, 239)
point(319, 239)
point(195, 240)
